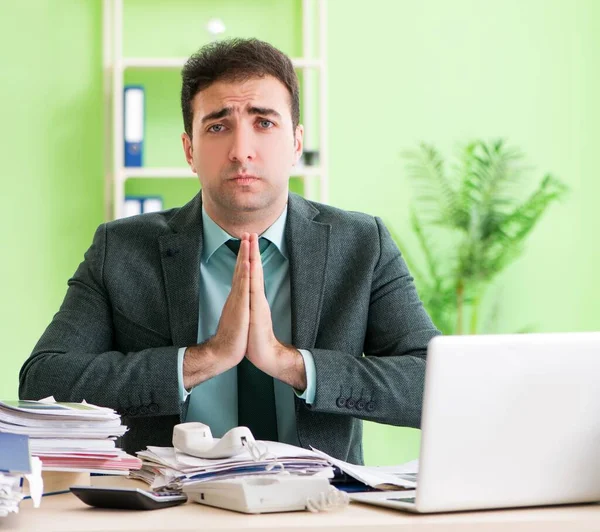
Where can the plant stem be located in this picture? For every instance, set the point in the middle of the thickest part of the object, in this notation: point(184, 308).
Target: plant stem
point(475, 313)
point(460, 293)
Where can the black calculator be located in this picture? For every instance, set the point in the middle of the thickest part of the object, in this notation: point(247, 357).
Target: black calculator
point(127, 498)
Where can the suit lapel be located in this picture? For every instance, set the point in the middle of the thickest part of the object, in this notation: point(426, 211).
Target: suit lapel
point(180, 258)
point(308, 246)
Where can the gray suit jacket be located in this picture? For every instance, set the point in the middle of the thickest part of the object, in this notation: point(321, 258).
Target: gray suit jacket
point(133, 302)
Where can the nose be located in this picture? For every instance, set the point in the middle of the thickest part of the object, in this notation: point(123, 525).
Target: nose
point(242, 146)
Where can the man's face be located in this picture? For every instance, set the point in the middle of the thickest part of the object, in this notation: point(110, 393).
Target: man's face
point(243, 145)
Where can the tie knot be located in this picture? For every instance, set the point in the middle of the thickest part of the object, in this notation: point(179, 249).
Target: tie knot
point(234, 244)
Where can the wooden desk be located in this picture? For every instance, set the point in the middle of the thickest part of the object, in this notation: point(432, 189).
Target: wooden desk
point(67, 513)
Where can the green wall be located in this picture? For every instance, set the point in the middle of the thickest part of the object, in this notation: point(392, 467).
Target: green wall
point(51, 153)
point(399, 72)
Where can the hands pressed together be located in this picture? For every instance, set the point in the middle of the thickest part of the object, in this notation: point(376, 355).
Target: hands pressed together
point(245, 330)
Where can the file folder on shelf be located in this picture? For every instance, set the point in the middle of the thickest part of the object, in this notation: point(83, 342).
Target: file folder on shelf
point(133, 206)
point(142, 204)
point(133, 126)
point(152, 204)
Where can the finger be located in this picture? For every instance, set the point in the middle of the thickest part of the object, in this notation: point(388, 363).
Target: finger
point(256, 271)
point(236, 269)
point(244, 276)
point(254, 251)
point(239, 264)
point(243, 266)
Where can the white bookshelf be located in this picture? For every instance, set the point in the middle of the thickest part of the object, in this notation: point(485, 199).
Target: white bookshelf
point(186, 172)
point(313, 62)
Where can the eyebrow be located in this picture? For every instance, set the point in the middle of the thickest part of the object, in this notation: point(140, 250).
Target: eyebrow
point(227, 111)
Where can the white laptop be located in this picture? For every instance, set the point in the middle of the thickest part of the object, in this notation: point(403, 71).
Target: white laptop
point(508, 421)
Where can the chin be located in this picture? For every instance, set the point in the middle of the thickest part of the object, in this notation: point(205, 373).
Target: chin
point(248, 204)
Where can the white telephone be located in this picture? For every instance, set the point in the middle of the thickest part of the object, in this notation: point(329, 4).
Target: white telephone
point(275, 493)
point(196, 439)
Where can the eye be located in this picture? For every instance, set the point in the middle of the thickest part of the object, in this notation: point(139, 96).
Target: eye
point(266, 124)
point(216, 128)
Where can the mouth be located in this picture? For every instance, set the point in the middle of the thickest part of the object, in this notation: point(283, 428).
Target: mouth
point(244, 179)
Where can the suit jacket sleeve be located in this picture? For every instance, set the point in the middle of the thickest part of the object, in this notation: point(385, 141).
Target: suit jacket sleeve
point(78, 356)
point(386, 384)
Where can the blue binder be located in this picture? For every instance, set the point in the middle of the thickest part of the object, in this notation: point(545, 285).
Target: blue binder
point(133, 124)
point(14, 453)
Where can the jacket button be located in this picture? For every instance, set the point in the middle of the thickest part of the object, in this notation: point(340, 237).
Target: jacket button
point(341, 402)
point(154, 408)
point(350, 403)
point(360, 404)
point(132, 411)
point(144, 410)
point(370, 406)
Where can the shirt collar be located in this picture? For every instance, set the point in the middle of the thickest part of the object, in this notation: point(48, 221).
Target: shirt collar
point(215, 236)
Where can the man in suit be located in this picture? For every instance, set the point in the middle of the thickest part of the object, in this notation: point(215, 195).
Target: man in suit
point(249, 305)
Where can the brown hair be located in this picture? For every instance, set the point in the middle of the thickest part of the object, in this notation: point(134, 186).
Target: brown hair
point(236, 60)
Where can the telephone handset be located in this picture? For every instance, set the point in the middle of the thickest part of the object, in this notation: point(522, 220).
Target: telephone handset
point(196, 439)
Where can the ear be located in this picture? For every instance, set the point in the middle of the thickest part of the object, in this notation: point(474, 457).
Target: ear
point(298, 142)
point(188, 150)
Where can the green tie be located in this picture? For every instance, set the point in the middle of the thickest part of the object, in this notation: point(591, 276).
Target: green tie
point(256, 391)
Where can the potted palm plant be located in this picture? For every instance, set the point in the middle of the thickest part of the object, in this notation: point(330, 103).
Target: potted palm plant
point(470, 223)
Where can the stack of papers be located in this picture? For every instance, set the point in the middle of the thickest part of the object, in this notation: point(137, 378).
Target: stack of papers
point(10, 493)
point(69, 436)
point(164, 467)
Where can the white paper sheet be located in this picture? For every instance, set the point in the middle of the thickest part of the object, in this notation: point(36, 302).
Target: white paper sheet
point(376, 477)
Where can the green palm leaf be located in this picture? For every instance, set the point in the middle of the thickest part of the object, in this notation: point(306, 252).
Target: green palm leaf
point(437, 198)
point(478, 207)
point(506, 242)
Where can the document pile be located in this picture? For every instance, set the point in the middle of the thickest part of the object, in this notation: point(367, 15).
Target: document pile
point(10, 493)
point(165, 467)
point(69, 436)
